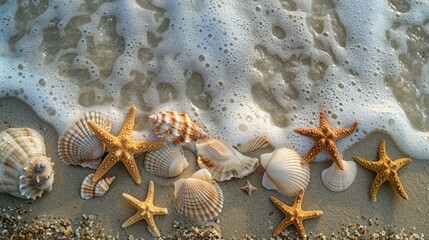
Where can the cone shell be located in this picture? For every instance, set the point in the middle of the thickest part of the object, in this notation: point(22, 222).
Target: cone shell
point(176, 127)
point(338, 180)
point(25, 171)
point(284, 171)
point(168, 161)
point(223, 161)
point(90, 188)
point(199, 196)
point(80, 146)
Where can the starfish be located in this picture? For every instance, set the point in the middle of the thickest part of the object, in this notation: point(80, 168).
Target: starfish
point(249, 188)
point(386, 169)
point(122, 148)
point(146, 211)
point(325, 138)
point(294, 215)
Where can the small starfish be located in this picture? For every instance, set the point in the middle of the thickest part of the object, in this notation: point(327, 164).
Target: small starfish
point(386, 169)
point(249, 188)
point(294, 215)
point(325, 138)
point(122, 148)
point(146, 211)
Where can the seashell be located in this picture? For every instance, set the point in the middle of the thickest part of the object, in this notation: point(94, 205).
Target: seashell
point(168, 161)
point(176, 126)
point(25, 171)
point(223, 161)
point(338, 180)
point(284, 171)
point(260, 141)
point(199, 196)
point(80, 146)
point(90, 189)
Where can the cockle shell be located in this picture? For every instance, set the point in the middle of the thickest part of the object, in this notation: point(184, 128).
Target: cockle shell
point(176, 126)
point(199, 196)
point(25, 171)
point(168, 161)
point(284, 171)
point(80, 146)
point(338, 180)
point(90, 189)
point(260, 141)
point(223, 161)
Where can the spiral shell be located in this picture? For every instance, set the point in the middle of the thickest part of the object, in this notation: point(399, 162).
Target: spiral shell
point(168, 161)
point(338, 180)
point(284, 171)
point(25, 171)
point(176, 127)
point(90, 189)
point(80, 146)
point(223, 161)
point(199, 196)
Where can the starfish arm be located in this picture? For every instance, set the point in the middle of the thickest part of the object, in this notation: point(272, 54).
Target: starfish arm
point(127, 128)
point(282, 226)
point(150, 193)
point(104, 136)
point(310, 214)
point(159, 211)
point(342, 132)
point(397, 185)
point(374, 166)
point(376, 184)
point(283, 207)
point(323, 123)
point(132, 200)
point(151, 226)
point(298, 200)
point(105, 166)
point(316, 149)
point(309, 132)
point(382, 153)
point(401, 162)
point(333, 152)
point(142, 146)
point(135, 218)
point(131, 165)
point(300, 228)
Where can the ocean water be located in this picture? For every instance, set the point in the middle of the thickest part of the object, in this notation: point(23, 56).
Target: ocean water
point(239, 68)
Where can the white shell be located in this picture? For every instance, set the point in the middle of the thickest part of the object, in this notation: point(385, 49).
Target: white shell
point(168, 161)
point(25, 171)
point(284, 171)
point(80, 146)
point(223, 161)
point(91, 189)
point(338, 180)
point(199, 196)
point(260, 141)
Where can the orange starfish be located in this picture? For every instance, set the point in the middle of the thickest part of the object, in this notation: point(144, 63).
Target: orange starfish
point(294, 215)
point(386, 169)
point(122, 148)
point(325, 138)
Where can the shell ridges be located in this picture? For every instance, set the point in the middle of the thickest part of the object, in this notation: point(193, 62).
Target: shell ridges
point(338, 180)
point(90, 188)
point(168, 161)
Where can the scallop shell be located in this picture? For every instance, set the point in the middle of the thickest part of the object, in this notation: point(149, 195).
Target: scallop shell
point(25, 171)
point(168, 161)
point(338, 180)
point(260, 141)
point(80, 146)
point(199, 196)
point(223, 161)
point(90, 189)
point(176, 126)
point(284, 171)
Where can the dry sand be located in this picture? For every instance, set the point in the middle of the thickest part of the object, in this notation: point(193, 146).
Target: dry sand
point(242, 214)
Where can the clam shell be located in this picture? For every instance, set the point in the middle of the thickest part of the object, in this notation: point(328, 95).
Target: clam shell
point(223, 161)
point(176, 127)
point(25, 171)
point(199, 196)
point(168, 161)
point(284, 171)
point(260, 141)
point(80, 146)
point(90, 188)
point(338, 180)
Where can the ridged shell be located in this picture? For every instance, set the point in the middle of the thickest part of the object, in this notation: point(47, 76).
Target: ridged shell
point(168, 161)
point(260, 141)
point(284, 171)
point(199, 196)
point(90, 189)
point(80, 146)
point(223, 161)
point(176, 127)
point(338, 180)
point(25, 171)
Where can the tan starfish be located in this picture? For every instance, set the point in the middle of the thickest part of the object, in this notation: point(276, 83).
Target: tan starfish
point(122, 148)
point(325, 138)
point(386, 169)
point(249, 188)
point(146, 211)
point(294, 215)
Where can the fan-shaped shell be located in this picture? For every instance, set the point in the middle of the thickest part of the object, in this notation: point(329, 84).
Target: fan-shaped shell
point(284, 171)
point(90, 188)
point(338, 180)
point(168, 161)
point(260, 141)
point(80, 146)
point(199, 196)
point(25, 171)
point(223, 161)
point(176, 126)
